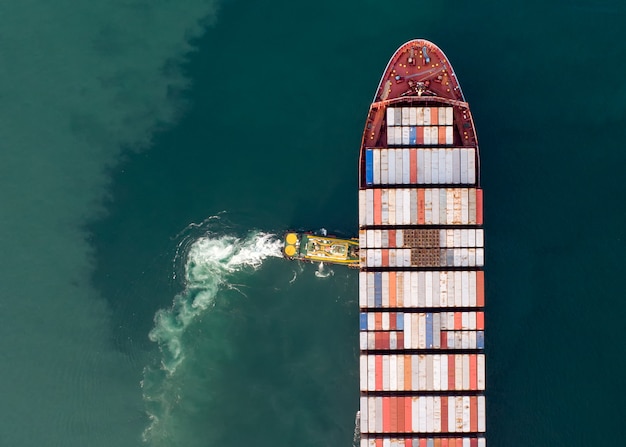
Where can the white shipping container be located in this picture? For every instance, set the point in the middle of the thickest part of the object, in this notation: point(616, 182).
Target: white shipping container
point(443, 373)
point(480, 257)
point(362, 289)
point(466, 415)
point(390, 116)
point(464, 173)
point(397, 135)
point(363, 373)
point(385, 373)
point(379, 413)
point(482, 442)
point(371, 415)
point(434, 167)
point(391, 166)
point(364, 415)
point(384, 168)
point(436, 376)
point(449, 135)
point(406, 166)
point(481, 414)
point(449, 166)
point(458, 372)
point(398, 173)
point(406, 114)
point(471, 166)
point(363, 340)
point(430, 407)
point(362, 208)
point(427, 121)
point(369, 207)
point(480, 238)
point(427, 140)
point(421, 166)
point(434, 135)
point(466, 369)
point(377, 238)
point(441, 112)
point(363, 238)
point(399, 206)
point(407, 331)
point(376, 166)
point(393, 372)
point(451, 414)
point(420, 116)
point(400, 373)
point(415, 414)
point(413, 116)
point(449, 116)
point(406, 135)
point(480, 371)
point(424, 415)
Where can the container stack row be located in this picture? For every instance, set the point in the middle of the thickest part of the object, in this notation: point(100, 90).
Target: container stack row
point(443, 166)
point(367, 441)
point(422, 414)
point(420, 116)
point(420, 135)
point(421, 286)
point(421, 289)
point(420, 206)
point(425, 238)
point(423, 372)
point(416, 126)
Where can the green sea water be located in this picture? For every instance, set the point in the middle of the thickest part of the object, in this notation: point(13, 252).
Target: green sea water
point(151, 151)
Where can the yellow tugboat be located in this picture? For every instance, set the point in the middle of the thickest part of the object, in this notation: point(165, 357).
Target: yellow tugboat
point(309, 247)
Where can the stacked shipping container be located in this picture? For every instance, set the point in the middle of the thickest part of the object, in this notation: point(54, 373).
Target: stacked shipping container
point(421, 291)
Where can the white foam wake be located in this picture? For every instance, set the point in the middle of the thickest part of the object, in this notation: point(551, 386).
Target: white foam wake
point(210, 261)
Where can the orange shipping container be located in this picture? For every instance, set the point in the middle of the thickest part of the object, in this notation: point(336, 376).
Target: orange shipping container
point(473, 414)
point(473, 383)
point(480, 288)
point(421, 203)
point(480, 321)
point(444, 415)
point(408, 416)
point(442, 134)
point(379, 371)
point(392, 289)
point(479, 206)
point(386, 415)
point(434, 116)
point(451, 368)
point(393, 415)
point(377, 207)
point(413, 160)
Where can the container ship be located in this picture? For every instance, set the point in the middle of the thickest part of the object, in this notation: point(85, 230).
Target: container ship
point(421, 257)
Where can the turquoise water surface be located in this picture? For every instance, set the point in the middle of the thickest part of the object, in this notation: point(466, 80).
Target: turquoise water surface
point(153, 152)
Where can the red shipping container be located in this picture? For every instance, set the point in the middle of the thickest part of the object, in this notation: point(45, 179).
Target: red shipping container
point(480, 321)
point(480, 288)
point(378, 364)
point(413, 161)
point(386, 415)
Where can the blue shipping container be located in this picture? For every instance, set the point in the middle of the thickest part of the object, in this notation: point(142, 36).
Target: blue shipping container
point(480, 339)
point(369, 167)
point(429, 330)
point(363, 325)
point(378, 289)
point(400, 321)
point(413, 135)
